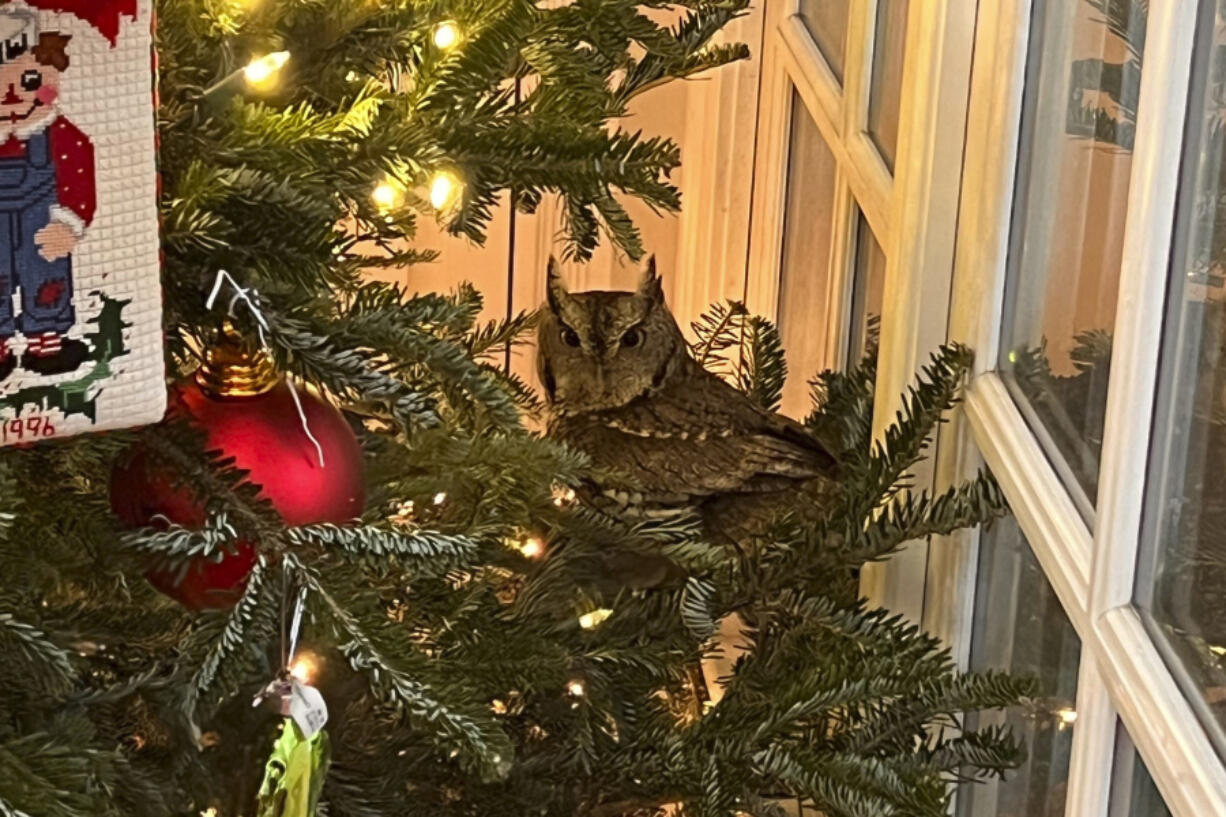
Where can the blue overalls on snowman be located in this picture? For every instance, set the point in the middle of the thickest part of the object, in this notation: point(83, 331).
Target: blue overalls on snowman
point(46, 178)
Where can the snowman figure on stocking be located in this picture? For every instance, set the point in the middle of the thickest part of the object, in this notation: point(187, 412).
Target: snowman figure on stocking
point(47, 198)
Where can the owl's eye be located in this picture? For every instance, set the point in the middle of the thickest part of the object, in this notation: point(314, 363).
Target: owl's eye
point(569, 336)
point(631, 338)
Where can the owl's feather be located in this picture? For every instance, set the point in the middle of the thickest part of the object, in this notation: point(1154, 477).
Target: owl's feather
point(662, 431)
point(695, 438)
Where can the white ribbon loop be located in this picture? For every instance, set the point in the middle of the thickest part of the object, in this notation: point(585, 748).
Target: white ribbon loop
point(244, 295)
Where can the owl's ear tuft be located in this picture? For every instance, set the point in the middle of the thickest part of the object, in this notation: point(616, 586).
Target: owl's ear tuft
point(556, 290)
point(651, 288)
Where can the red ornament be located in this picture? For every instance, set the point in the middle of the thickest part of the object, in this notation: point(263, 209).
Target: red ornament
point(251, 417)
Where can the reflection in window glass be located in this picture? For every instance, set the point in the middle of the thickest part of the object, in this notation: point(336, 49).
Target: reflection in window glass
point(827, 22)
point(1020, 627)
point(1078, 123)
point(885, 91)
point(805, 272)
point(868, 291)
point(1133, 793)
point(1182, 581)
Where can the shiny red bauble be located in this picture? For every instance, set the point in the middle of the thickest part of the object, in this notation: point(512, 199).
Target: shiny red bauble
point(265, 436)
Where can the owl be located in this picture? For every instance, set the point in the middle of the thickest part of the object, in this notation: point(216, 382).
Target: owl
point(622, 387)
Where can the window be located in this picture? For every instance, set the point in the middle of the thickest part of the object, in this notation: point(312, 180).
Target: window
point(867, 294)
point(1087, 278)
point(1021, 628)
point(893, 210)
point(805, 268)
point(1133, 793)
point(1044, 187)
point(826, 21)
point(1181, 585)
point(885, 93)
point(824, 209)
point(1071, 198)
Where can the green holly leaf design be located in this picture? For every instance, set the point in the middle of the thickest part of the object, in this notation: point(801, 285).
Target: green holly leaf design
point(79, 396)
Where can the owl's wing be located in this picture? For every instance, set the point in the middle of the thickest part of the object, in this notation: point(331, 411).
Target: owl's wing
point(698, 439)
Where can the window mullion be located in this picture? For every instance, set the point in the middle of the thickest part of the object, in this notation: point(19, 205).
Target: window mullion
point(1159, 718)
point(1089, 791)
point(770, 177)
point(842, 273)
point(860, 29)
point(920, 240)
point(812, 76)
point(1138, 323)
point(867, 174)
point(993, 129)
point(1044, 510)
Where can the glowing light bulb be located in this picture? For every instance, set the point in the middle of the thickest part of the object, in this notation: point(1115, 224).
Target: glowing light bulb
point(444, 188)
point(446, 34)
point(386, 196)
point(305, 667)
point(533, 547)
point(589, 621)
point(261, 70)
point(440, 498)
point(1067, 716)
point(576, 688)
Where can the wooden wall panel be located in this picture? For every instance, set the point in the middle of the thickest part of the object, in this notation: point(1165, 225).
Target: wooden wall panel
point(461, 260)
point(701, 252)
point(536, 237)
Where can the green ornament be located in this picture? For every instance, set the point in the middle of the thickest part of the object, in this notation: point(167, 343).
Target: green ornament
point(295, 773)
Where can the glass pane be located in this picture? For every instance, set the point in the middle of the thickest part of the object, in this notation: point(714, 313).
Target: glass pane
point(1182, 582)
point(1078, 116)
point(805, 274)
point(885, 92)
point(827, 22)
point(868, 291)
point(1020, 627)
point(1133, 793)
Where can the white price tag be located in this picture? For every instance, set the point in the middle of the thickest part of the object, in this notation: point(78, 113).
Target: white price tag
point(307, 708)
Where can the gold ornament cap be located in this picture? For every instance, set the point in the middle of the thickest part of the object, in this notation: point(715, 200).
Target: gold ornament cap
point(236, 367)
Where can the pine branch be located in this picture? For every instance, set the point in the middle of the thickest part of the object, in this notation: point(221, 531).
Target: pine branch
point(49, 665)
point(426, 550)
point(478, 740)
point(231, 652)
point(907, 438)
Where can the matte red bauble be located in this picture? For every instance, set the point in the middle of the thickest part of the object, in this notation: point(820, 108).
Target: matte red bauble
point(247, 413)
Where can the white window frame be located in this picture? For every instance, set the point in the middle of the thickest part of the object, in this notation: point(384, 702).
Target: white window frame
point(943, 222)
point(1123, 676)
point(792, 60)
point(912, 212)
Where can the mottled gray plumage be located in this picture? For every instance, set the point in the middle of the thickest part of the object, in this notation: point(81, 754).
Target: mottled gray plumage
point(623, 387)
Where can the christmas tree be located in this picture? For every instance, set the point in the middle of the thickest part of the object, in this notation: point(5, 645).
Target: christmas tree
point(474, 654)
